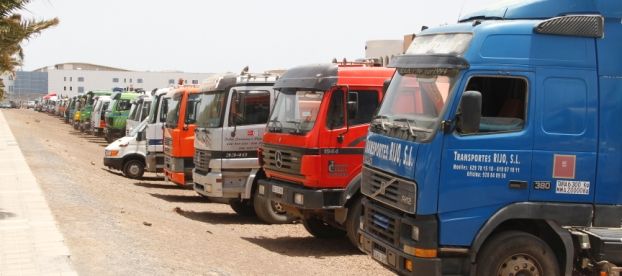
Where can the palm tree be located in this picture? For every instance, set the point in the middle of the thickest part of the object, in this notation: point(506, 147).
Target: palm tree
point(13, 31)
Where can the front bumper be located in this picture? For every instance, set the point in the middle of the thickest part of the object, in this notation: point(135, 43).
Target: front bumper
point(286, 193)
point(209, 184)
point(115, 163)
point(396, 259)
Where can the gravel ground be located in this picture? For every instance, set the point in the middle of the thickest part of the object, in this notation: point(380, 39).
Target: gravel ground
point(114, 225)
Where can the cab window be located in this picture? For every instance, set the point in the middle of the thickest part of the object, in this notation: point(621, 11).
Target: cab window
point(249, 108)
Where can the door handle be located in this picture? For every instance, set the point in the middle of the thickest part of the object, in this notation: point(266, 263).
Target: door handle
point(518, 184)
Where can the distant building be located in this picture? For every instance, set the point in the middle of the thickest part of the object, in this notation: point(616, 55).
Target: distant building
point(384, 50)
point(71, 79)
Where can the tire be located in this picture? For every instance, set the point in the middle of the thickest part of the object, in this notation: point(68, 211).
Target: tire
point(352, 221)
point(133, 168)
point(320, 229)
point(516, 253)
point(243, 208)
point(268, 211)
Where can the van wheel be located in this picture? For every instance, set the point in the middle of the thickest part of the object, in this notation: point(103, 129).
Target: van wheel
point(353, 220)
point(320, 229)
point(269, 211)
point(242, 207)
point(134, 169)
point(517, 253)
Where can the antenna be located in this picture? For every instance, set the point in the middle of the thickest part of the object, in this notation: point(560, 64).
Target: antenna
point(461, 9)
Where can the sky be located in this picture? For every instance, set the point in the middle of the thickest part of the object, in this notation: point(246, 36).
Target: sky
point(224, 35)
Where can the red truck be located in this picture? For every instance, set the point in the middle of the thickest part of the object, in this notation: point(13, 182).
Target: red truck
point(179, 135)
point(312, 151)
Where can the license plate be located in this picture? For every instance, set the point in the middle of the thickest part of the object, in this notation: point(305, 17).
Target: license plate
point(379, 256)
point(277, 190)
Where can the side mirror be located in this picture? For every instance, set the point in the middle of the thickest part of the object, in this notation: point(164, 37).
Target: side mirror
point(385, 86)
point(141, 136)
point(353, 105)
point(470, 112)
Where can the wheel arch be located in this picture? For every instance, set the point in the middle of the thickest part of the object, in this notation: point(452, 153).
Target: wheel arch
point(135, 156)
point(540, 219)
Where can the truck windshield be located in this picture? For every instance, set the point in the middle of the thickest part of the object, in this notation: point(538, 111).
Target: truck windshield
point(210, 108)
point(295, 111)
point(124, 105)
point(415, 100)
point(172, 118)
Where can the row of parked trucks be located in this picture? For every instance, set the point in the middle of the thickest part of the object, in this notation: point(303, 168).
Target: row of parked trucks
point(489, 148)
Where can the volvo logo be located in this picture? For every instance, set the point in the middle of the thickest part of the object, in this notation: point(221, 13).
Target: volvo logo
point(383, 186)
point(278, 157)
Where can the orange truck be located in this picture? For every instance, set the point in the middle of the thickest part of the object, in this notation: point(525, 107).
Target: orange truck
point(313, 147)
point(179, 135)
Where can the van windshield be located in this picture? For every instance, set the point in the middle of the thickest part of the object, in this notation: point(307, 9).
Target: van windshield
point(210, 109)
point(295, 111)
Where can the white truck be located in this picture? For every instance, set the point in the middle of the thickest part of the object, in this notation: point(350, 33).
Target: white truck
point(231, 113)
point(141, 149)
point(98, 122)
point(155, 129)
point(138, 112)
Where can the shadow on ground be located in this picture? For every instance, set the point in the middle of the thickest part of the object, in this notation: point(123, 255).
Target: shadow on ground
point(306, 246)
point(161, 186)
point(6, 215)
point(218, 218)
point(181, 198)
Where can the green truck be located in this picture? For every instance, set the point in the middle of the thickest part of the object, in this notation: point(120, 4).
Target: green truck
point(87, 108)
point(117, 114)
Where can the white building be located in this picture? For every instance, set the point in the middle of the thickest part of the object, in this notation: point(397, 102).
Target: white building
point(71, 79)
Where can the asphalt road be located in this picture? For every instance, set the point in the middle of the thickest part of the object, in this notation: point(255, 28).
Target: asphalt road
point(114, 225)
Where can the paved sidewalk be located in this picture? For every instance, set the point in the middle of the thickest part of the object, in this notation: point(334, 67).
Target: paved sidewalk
point(30, 242)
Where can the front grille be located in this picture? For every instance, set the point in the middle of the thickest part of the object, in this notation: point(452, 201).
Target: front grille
point(201, 159)
point(167, 143)
point(282, 160)
point(389, 189)
point(381, 223)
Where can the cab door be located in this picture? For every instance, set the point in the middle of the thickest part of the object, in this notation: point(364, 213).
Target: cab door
point(344, 133)
point(484, 171)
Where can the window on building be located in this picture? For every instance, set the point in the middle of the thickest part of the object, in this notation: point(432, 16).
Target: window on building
point(139, 80)
point(171, 81)
point(64, 88)
point(124, 80)
point(195, 81)
point(249, 108)
point(80, 89)
point(130, 80)
point(70, 78)
point(80, 79)
point(70, 88)
point(64, 78)
point(504, 101)
point(115, 79)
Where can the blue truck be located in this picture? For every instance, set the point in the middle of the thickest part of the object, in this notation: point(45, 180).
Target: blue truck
point(497, 149)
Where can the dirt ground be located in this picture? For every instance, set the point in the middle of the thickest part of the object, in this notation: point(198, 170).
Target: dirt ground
point(115, 225)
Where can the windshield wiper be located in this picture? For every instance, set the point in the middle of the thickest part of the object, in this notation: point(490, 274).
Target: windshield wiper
point(382, 120)
point(297, 123)
point(275, 126)
point(412, 128)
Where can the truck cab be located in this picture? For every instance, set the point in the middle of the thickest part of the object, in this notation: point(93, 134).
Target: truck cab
point(128, 154)
point(117, 113)
point(87, 110)
point(138, 112)
point(495, 150)
point(313, 147)
point(98, 120)
point(155, 130)
point(179, 135)
point(232, 114)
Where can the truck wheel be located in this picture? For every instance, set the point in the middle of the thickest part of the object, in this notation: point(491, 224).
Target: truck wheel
point(320, 229)
point(134, 169)
point(353, 220)
point(269, 211)
point(242, 207)
point(517, 253)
